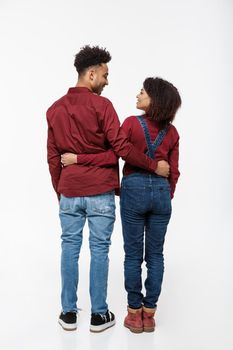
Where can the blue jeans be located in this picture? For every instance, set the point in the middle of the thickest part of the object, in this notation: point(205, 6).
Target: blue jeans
point(99, 210)
point(145, 213)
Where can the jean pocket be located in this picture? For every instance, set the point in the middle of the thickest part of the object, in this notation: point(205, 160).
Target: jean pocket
point(165, 199)
point(65, 203)
point(133, 198)
point(104, 203)
point(107, 209)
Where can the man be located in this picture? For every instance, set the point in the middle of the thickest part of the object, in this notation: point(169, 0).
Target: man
point(84, 122)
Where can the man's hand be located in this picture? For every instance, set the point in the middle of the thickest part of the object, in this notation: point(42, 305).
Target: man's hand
point(163, 168)
point(68, 159)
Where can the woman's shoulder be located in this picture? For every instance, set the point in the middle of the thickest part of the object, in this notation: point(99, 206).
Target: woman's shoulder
point(173, 134)
point(173, 130)
point(131, 118)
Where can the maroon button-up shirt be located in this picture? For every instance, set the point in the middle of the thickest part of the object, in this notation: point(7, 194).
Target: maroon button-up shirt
point(83, 122)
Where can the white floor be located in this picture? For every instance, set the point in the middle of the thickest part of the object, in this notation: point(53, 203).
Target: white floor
point(195, 308)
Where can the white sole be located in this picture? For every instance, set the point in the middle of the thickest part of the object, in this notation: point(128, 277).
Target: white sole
point(67, 326)
point(102, 327)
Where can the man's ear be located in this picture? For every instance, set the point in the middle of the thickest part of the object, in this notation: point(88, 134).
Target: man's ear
point(91, 73)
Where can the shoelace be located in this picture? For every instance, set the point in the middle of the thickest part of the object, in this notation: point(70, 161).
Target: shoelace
point(104, 317)
point(109, 315)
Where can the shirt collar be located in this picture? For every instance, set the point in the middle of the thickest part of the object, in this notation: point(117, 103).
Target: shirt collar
point(78, 89)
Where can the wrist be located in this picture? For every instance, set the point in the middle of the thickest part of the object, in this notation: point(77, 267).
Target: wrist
point(155, 165)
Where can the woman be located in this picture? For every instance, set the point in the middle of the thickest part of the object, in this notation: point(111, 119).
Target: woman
point(145, 199)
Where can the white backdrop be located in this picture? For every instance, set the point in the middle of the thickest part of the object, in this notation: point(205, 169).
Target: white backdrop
point(186, 42)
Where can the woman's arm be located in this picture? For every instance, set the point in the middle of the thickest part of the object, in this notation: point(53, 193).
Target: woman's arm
point(173, 160)
point(102, 159)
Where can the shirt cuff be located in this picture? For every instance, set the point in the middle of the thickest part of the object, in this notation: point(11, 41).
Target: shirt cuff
point(153, 165)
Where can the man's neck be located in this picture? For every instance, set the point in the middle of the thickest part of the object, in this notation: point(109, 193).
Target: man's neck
point(83, 84)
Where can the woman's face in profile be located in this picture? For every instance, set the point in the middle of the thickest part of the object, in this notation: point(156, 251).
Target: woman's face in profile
point(143, 100)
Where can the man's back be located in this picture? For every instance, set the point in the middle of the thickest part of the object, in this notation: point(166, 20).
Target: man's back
point(77, 122)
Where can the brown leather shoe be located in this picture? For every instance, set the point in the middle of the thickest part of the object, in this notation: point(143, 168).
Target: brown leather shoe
point(148, 319)
point(133, 320)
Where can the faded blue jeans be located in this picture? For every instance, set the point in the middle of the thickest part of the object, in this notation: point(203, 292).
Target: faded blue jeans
point(145, 213)
point(99, 210)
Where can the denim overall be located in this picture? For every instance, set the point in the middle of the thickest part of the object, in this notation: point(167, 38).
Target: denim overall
point(145, 205)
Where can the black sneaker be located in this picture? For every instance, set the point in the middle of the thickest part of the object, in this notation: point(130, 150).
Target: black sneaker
point(68, 321)
point(100, 322)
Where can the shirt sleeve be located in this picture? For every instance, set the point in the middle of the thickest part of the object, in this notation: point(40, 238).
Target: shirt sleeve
point(126, 127)
point(120, 143)
point(102, 159)
point(173, 160)
point(54, 159)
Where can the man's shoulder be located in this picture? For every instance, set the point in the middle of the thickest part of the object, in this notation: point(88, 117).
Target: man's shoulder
point(55, 104)
point(101, 99)
point(100, 103)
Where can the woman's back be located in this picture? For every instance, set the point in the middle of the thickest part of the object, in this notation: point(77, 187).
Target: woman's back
point(168, 150)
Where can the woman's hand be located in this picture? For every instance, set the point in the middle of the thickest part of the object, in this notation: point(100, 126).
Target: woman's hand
point(163, 168)
point(68, 159)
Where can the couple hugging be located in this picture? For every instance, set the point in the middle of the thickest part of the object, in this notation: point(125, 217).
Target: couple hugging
point(85, 140)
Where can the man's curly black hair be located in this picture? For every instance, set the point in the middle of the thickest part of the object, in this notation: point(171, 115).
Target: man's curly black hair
point(165, 100)
point(90, 56)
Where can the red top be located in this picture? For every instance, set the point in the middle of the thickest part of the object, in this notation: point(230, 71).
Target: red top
point(83, 122)
point(168, 149)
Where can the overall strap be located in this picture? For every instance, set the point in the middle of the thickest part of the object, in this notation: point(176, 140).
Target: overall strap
point(151, 146)
point(159, 139)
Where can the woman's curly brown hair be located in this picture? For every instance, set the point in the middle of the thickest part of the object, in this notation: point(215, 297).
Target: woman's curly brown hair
point(165, 100)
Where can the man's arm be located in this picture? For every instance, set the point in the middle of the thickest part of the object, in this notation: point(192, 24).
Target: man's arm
point(54, 159)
